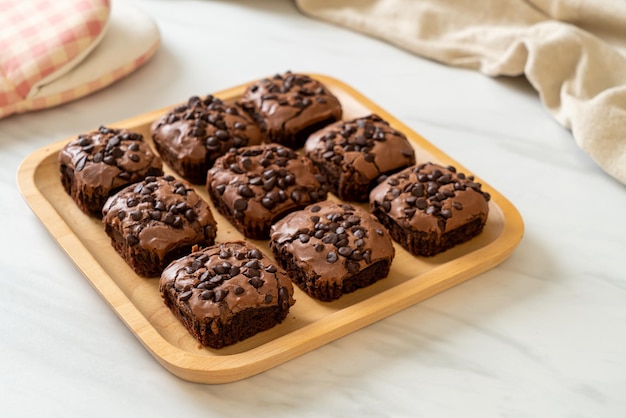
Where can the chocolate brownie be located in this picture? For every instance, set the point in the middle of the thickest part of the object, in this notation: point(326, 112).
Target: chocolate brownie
point(99, 163)
point(190, 137)
point(430, 208)
point(289, 107)
point(330, 249)
point(226, 293)
point(256, 185)
point(157, 220)
point(356, 155)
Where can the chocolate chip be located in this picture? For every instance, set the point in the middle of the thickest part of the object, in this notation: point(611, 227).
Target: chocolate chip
point(421, 203)
point(332, 257)
point(185, 295)
point(315, 208)
point(240, 204)
point(268, 203)
point(296, 196)
point(417, 190)
point(205, 276)
point(245, 191)
point(330, 238)
point(345, 251)
point(256, 282)
point(222, 268)
point(132, 240)
point(135, 215)
point(304, 238)
point(216, 280)
point(178, 222)
point(238, 290)
point(269, 298)
point(207, 294)
point(168, 219)
point(255, 253)
point(190, 215)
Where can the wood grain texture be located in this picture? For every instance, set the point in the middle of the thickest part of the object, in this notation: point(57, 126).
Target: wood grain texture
point(311, 323)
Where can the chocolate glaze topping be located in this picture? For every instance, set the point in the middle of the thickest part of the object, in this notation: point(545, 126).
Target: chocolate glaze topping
point(106, 160)
point(431, 198)
point(201, 130)
point(333, 240)
point(227, 278)
point(289, 103)
point(262, 183)
point(160, 214)
point(367, 145)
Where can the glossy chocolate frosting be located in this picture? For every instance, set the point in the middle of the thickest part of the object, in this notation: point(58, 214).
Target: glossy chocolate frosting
point(366, 145)
point(200, 131)
point(332, 240)
point(106, 160)
point(288, 103)
point(262, 183)
point(431, 198)
point(227, 278)
point(159, 215)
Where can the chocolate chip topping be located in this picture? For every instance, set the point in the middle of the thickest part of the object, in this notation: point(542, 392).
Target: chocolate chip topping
point(104, 161)
point(200, 131)
point(236, 275)
point(260, 183)
point(434, 191)
point(288, 103)
point(334, 238)
point(160, 213)
point(367, 146)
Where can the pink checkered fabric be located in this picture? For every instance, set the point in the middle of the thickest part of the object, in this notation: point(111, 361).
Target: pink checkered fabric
point(41, 39)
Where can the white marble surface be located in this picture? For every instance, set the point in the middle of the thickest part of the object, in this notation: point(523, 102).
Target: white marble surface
point(543, 334)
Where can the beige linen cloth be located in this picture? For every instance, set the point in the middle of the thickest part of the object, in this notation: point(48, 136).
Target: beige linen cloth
point(573, 52)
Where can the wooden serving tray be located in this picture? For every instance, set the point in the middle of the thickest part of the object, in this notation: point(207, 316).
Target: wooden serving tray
point(310, 323)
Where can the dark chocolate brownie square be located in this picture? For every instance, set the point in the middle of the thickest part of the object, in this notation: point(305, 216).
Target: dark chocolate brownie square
point(190, 137)
point(330, 249)
point(356, 155)
point(289, 107)
point(157, 220)
point(430, 208)
point(256, 185)
point(226, 293)
point(97, 164)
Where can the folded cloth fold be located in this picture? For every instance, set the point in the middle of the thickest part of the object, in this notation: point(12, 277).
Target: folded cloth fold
point(573, 52)
point(55, 51)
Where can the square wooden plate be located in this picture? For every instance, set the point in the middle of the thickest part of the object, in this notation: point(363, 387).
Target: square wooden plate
point(310, 323)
